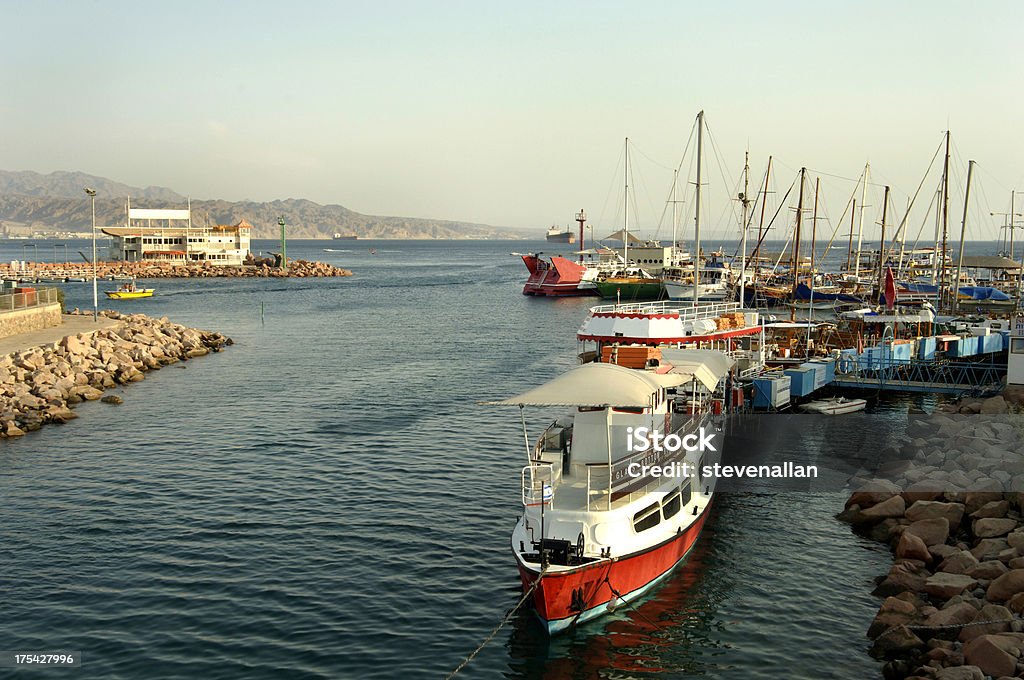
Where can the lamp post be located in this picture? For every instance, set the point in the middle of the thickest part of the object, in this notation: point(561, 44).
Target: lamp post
point(284, 246)
point(95, 297)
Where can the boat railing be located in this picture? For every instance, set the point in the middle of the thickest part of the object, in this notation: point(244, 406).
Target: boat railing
point(538, 484)
point(686, 312)
point(602, 479)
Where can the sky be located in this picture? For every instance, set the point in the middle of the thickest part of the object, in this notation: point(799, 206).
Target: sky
point(515, 114)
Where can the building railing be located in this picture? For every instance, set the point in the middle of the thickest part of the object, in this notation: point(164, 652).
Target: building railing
point(30, 298)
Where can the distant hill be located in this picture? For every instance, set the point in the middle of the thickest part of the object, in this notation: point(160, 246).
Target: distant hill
point(57, 202)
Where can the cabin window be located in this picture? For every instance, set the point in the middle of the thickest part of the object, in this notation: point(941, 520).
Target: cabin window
point(1017, 345)
point(670, 508)
point(628, 410)
point(647, 518)
point(588, 409)
point(685, 493)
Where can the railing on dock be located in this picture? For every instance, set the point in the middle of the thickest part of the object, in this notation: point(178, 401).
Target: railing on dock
point(949, 377)
point(30, 298)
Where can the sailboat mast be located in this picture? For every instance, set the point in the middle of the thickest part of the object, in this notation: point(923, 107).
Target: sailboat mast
point(764, 202)
point(938, 231)
point(814, 225)
point(625, 210)
point(881, 245)
point(1012, 192)
point(945, 221)
point(696, 219)
point(796, 237)
point(963, 235)
point(744, 201)
point(849, 246)
point(860, 229)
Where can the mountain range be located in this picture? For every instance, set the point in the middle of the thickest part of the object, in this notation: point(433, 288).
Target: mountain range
point(56, 202)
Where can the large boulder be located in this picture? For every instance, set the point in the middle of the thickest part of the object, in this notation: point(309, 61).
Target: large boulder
point(989, 548)
point(959, 563)
point(992, 509)
point(944, 585)
point(911, 547)
point(931, 531)
point(1006, 586)
point(993, 527)
point(873, 493)
point(987, 570)
point(896, 642)
point(894, 611)
point(960, 673)
point(902, 577)
point(954, 614)
point(953, 512)
point(988, 655)
point(989, 612)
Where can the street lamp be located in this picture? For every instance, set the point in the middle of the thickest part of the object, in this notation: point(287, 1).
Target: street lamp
point(95, 296)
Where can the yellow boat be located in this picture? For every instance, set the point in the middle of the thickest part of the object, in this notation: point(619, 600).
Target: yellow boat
point(129, 292)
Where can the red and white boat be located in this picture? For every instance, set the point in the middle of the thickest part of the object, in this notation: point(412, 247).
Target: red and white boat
point(600, 527)
point(558, 276)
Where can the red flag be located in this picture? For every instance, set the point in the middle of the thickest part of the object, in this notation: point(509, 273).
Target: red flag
point(890, 289)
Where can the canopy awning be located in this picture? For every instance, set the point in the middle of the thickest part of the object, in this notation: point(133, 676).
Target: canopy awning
point(989, 262)
point(707, 366)
point(597, 385)
point(621, 235)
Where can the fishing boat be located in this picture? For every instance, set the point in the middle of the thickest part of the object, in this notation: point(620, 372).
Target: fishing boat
point(558, 276)
point(835, 406)
point(599, 527)
point(129, 291)
point(632, 284)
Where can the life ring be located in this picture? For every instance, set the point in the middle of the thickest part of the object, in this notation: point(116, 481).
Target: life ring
point(847, 365)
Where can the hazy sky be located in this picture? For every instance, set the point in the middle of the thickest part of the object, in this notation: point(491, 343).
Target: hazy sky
point(507, 114)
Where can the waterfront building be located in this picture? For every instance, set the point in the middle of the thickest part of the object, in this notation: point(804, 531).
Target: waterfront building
point(168, 235)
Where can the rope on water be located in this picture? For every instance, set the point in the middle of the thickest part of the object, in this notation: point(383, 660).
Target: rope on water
point(630, 605)
point(500, 625)
point(945, 626)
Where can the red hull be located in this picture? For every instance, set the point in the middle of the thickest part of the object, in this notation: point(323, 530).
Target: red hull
point(596, 585)
point(558, 277)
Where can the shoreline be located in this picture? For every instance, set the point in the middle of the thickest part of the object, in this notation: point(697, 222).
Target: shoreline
point(40, 384)
point(949, 502)
point(170, 270)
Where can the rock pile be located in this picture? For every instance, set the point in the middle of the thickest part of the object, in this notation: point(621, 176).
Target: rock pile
point(40, 385)
point(170, 270)
point(952, 513)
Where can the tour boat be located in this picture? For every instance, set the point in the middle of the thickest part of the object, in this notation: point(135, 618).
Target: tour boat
point(556, 276)
point(129, 292)
point(835, 406)
point(599, 527)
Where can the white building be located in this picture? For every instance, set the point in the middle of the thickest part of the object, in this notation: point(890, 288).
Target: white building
point(164, 235)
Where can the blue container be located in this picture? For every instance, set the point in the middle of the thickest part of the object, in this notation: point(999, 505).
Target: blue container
point(801, 381)
point(1006, 339)
point(965, 347)
point(902, 353)
point(771, 391)
point(993, 343)
point(926, 348)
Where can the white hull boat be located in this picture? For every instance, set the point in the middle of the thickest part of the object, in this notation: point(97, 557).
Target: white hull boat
point(835, 406)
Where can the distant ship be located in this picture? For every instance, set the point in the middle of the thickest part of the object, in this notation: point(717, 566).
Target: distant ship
point(556, 235)
point(345, 237)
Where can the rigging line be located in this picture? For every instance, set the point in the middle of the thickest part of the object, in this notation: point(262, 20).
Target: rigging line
point(782, 204)
point(993, 177)
point(611, 190)
point(647, 195)
point(679, 166)
point(924, 221)
point(750, 215)
point(653, 162)
point(903, 222)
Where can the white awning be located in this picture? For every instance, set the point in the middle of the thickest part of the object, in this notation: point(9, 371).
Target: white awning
point(707, 366)
point(597, 385)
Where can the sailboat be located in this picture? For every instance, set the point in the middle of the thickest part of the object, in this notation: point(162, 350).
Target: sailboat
point(631, 282)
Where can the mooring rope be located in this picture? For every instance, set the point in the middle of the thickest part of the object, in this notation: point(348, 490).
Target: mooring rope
point(944, 626)
point(500, 625)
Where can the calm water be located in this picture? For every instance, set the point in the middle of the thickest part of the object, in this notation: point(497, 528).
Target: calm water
point(327, 500)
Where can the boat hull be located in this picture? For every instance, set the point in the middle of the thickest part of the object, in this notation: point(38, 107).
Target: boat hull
point(630, 291)
point(556, 277)
point(124, 295)
point(606, 585)
point(836, 408)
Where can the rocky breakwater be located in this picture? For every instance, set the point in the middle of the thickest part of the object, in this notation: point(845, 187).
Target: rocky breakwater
point(169, 270)
point(949, 502)
point(42, 384)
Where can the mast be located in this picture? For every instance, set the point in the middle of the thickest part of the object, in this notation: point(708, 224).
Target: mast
point(963, 234)
point(696, 219)
point(849, 246)
point(796, 238)
point(938, 230)
point(764, 201)
point(625, 211)
point(814, 235)
point(581, 217)
point(945, 222)
point(860, 230)
point(744, 201)
point(1011, 223)
point(881, 244)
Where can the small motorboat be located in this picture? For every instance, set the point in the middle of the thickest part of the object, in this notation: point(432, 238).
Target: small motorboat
point(835, 406)
point(129, 291)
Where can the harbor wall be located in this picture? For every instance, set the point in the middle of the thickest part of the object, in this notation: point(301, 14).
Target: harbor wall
point(40, 385)
point(29, 319)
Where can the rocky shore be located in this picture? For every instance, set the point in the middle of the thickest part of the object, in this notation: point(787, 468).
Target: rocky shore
point(950, 505)
point(169, 270)
point(42, 384)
